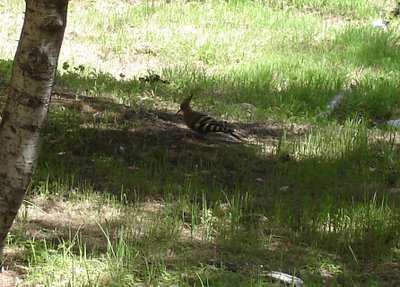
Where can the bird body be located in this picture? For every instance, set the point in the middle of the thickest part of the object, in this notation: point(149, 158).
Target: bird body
point(201, 122)
point(152, 78)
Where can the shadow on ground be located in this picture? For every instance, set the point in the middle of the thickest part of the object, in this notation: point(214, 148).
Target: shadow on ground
point(150, 156)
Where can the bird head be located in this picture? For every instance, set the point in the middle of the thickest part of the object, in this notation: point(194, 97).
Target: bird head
point(185, 105)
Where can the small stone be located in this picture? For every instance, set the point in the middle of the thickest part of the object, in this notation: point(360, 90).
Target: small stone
point(394, 123)
point(246, 106)
point(379, 23)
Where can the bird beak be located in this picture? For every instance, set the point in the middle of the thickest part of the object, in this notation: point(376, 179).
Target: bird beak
point(178, 112)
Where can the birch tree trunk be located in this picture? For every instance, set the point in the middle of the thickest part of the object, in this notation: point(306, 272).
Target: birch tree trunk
point(25, 113)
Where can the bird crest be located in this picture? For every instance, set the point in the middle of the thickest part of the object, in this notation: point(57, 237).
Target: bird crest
point(185, 105)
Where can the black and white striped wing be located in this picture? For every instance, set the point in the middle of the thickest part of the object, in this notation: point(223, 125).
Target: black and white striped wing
point(206, 124)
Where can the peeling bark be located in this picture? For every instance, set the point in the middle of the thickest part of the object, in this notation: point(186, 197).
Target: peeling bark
point(25, 113)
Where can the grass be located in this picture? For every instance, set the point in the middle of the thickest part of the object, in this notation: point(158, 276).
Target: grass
point(125, 195)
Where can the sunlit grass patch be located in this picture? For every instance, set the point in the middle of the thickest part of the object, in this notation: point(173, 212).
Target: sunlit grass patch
point(59, 265)
point(126, 195)
point(333, 142)
point(366, 230)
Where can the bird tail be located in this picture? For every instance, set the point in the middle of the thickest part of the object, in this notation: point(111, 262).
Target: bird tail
point(236, 136)
point(230, 131)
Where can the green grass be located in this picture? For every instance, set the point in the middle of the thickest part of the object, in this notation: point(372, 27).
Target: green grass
point(124, 195)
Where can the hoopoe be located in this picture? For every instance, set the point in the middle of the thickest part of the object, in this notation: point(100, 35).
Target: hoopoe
point(203, 123)
point(152, 78)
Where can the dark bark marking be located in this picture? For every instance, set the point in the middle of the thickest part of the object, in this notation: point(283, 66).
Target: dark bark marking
point(53, 23)
point(29, 10)
point(13, 129)
point(25, 99)
point(32, 128)
point(35, 102)
point(59, 5)
point(5, 118)
point(34, 62)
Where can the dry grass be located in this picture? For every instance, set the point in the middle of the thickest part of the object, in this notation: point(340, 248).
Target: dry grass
point(125, 189)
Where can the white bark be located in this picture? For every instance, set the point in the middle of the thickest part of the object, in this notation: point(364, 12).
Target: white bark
point(25, 113)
